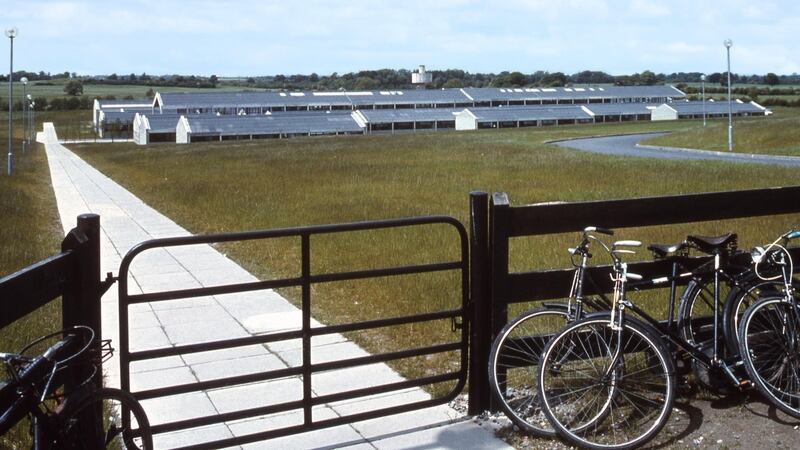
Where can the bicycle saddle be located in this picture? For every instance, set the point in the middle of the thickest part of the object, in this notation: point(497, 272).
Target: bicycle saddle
point(664, 250)
point(712, 244)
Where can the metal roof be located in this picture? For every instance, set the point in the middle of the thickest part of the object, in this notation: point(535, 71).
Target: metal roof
point(187, 100)
point(621, 109)
point(104, 104)
point(409, 115)
point(568, 93)
point(718, 107)
point(162, 123)
point(522, 113)
point(272, 124)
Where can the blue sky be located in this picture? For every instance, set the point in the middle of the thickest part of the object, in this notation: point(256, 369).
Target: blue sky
point(264, 37)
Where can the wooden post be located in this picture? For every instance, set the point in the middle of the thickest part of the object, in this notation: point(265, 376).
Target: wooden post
point(80, 303)
point(498, 255)
point(480, 304)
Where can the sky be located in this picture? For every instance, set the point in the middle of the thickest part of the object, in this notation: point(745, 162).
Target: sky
point(265, 37)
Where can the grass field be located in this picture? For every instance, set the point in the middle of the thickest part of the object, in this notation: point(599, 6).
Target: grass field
point(778, 134)
point(30, 231)
point(260, 185)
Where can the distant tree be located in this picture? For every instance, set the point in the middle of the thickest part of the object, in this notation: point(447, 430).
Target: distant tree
point(251, 80)
point(73, 88)
point(771, 79)
point(132, 77)
point(314, 78)
point(365, 84)
point(113, 77)
point(555, 79)
point(213, 80)
point(516, 79)
point(715, 77)
point(453, 83)
point(150, 93)
point(647, 78)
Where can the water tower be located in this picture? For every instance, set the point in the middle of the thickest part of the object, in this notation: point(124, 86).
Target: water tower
point(420, 78)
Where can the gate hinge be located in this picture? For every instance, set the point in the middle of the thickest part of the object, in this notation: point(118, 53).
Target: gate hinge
point(455, 325)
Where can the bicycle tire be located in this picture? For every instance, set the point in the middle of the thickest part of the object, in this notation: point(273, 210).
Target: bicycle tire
point(769, 349)
point(697, 301)
point(739, 299)
point(76, 429)
point(567, 377)
point(514, 363)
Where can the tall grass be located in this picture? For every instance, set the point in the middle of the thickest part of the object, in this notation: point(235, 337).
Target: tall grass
point(30, 231)
point(257, 185)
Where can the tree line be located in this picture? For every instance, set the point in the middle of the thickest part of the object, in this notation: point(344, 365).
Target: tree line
point(454, 78)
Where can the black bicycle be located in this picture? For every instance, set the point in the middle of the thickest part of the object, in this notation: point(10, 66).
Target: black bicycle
point(514, 357)
point(608, 381)
point(85, 416)
point(769, 334)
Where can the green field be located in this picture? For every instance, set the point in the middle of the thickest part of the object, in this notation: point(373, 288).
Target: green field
point(260, 185)
point(778, 134)
point(30, 231)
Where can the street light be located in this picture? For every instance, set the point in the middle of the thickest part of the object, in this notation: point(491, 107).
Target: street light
point(11, 33)
point(24, 81)
point(703, 84)
point(728, 44)
point(29, 130)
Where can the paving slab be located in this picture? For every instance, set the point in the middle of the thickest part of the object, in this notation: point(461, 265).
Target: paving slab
point(126, 221)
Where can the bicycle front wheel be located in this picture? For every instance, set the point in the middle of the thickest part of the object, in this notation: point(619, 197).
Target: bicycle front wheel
point(122, 423)
point(769, 342)
point(514, 363)
point(605, 389)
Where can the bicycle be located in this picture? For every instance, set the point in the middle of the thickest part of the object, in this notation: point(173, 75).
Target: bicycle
point(514, 356)
point(84, 417)
point(769, 335)
point(608, 381)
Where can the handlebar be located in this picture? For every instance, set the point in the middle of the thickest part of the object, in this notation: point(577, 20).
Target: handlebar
point(600, 230)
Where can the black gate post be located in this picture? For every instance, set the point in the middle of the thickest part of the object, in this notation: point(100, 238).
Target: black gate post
point(80, 303)
point(480, 304)
point(498, 255)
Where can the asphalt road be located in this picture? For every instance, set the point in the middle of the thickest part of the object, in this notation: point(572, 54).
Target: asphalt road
point(627, 145)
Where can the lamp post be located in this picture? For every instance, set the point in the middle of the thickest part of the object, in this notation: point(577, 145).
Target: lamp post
point(32, 110)
point(29, 130)
point(728, 44)
point(703, 84)
point(11, 33)
point(24, 81)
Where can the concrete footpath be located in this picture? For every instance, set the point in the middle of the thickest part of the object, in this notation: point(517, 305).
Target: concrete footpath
point(126, 221)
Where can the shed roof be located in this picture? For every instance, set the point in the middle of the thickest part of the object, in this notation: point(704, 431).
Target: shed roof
point(522, 113)
point(577, 93)
point(719, 107)
point(272, 124)
point(408, 115)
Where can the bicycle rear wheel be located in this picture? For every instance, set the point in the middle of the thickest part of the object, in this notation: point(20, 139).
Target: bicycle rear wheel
point(597, 401)
point(514, 364)
point(769, 342)
point(80, 428)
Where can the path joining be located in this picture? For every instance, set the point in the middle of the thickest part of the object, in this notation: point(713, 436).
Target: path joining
point(125, 221)
point(628, 145)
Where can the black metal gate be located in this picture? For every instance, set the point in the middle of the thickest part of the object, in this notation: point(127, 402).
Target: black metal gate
point(456, 318)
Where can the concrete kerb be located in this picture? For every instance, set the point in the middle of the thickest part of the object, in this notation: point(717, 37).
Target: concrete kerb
point(79, 188)
point(727, 155)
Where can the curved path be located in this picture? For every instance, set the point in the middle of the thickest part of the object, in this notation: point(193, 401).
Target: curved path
point(628, 145)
